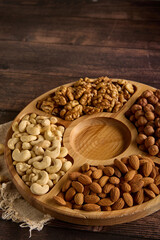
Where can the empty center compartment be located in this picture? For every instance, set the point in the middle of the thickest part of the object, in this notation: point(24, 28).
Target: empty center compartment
point(100, 138)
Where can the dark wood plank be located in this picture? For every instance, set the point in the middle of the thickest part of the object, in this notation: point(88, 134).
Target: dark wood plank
point(7, 116)
point(80, 31)
point(10, 230)
point(134, 10)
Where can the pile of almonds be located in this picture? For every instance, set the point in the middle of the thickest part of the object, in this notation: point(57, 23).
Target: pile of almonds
point(145, 114)
point(130, 181)
point(87, 96)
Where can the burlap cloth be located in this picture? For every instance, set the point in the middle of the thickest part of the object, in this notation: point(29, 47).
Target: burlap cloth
point(13, 206)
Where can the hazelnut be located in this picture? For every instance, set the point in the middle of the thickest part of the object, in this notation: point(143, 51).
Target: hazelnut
point(147, 93)
point(141, 129)
point(142, 121)
point(132, 118)
point(128, 113)
point(151, 123)
point(157, 93)
point(157, 122)
point(158, 143)
point(157, 110)
point(157, 132)
point(150, 116)
point(149, 130)
point(141, 138)
point(149, 141)
point(153, 99)
point(143, 102)
point(153, 150)
point(148, 108)
point(136, 107)
point(138, 114)
point(142, 148)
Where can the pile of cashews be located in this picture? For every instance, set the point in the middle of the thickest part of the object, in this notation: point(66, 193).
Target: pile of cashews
point(37, 152)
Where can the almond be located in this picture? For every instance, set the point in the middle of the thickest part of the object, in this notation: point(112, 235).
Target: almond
point(70, 194)
point(75, 206)
point(101, 166)
point(60, 201)
point(135, 187)
point(95, 187)
point(93, 168)
point(128, 199)
point(157, 180)
point(85, 167)
point(91, 199)
point(129, 175)
point(134, 162)
point(107, 208)
point(109, 171)
point(121, 166)
point(102, 195)
point(124, 160)
point(118, 205)
point(136, 178)
point(139, 197)
point(107, 188)
point(61, 195)
point(66, 185)
point(105, 202)
point(86, 190)
point(97, 174)
point(103, 180)
point(114, 194)
point(149, 193)
point(114, 180)
point(79, 198)
point(78, 186)
point(153, 173)
point(117, 172)
point(154, 188)
point(69, 205)
point(74, 175)
point(91, 207)
point(125, 187)
point(147, 181)
point(84, 179)
point(88, 173)
point(147, 169)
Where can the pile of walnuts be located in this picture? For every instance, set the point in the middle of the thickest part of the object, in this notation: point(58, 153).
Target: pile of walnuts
point(145, 114)
point(87, 96)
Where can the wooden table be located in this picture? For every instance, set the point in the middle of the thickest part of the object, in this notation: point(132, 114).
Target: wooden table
point(44, 44)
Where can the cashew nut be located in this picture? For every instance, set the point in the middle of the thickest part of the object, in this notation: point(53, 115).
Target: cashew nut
point(21, 156)
point(53, 176)
point(26, 146)
point(33, 154)
point(45, 122)
point(18, 145)
point(63, 152)
point(28, 138)
point(53, 120)
point(52, 154)
point(22, 167)
point(38, 189)
point(16, 134)
point(56, 167)
point(38, 150)
point(33, 121)
point(33, 115)
point(12, 142)
point(25, 178)
point(44, 144)
point(45, 163)
point(66, 166)
point(39, 139)
point(33, 130)
point(22, 125)
point(61, 129)
point(15, 126)
point(44, 178)
point(50, 183)
point(26, 117)
point(48, 135)
point(35, 159)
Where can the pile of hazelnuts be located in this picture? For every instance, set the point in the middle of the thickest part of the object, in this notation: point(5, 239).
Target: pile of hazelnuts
point(145, 115)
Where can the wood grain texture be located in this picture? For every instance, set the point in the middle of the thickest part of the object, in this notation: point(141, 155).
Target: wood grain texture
point(95, 139)
point(111, 24)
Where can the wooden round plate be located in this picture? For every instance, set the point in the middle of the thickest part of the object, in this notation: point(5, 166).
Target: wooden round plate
point(96, 139)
